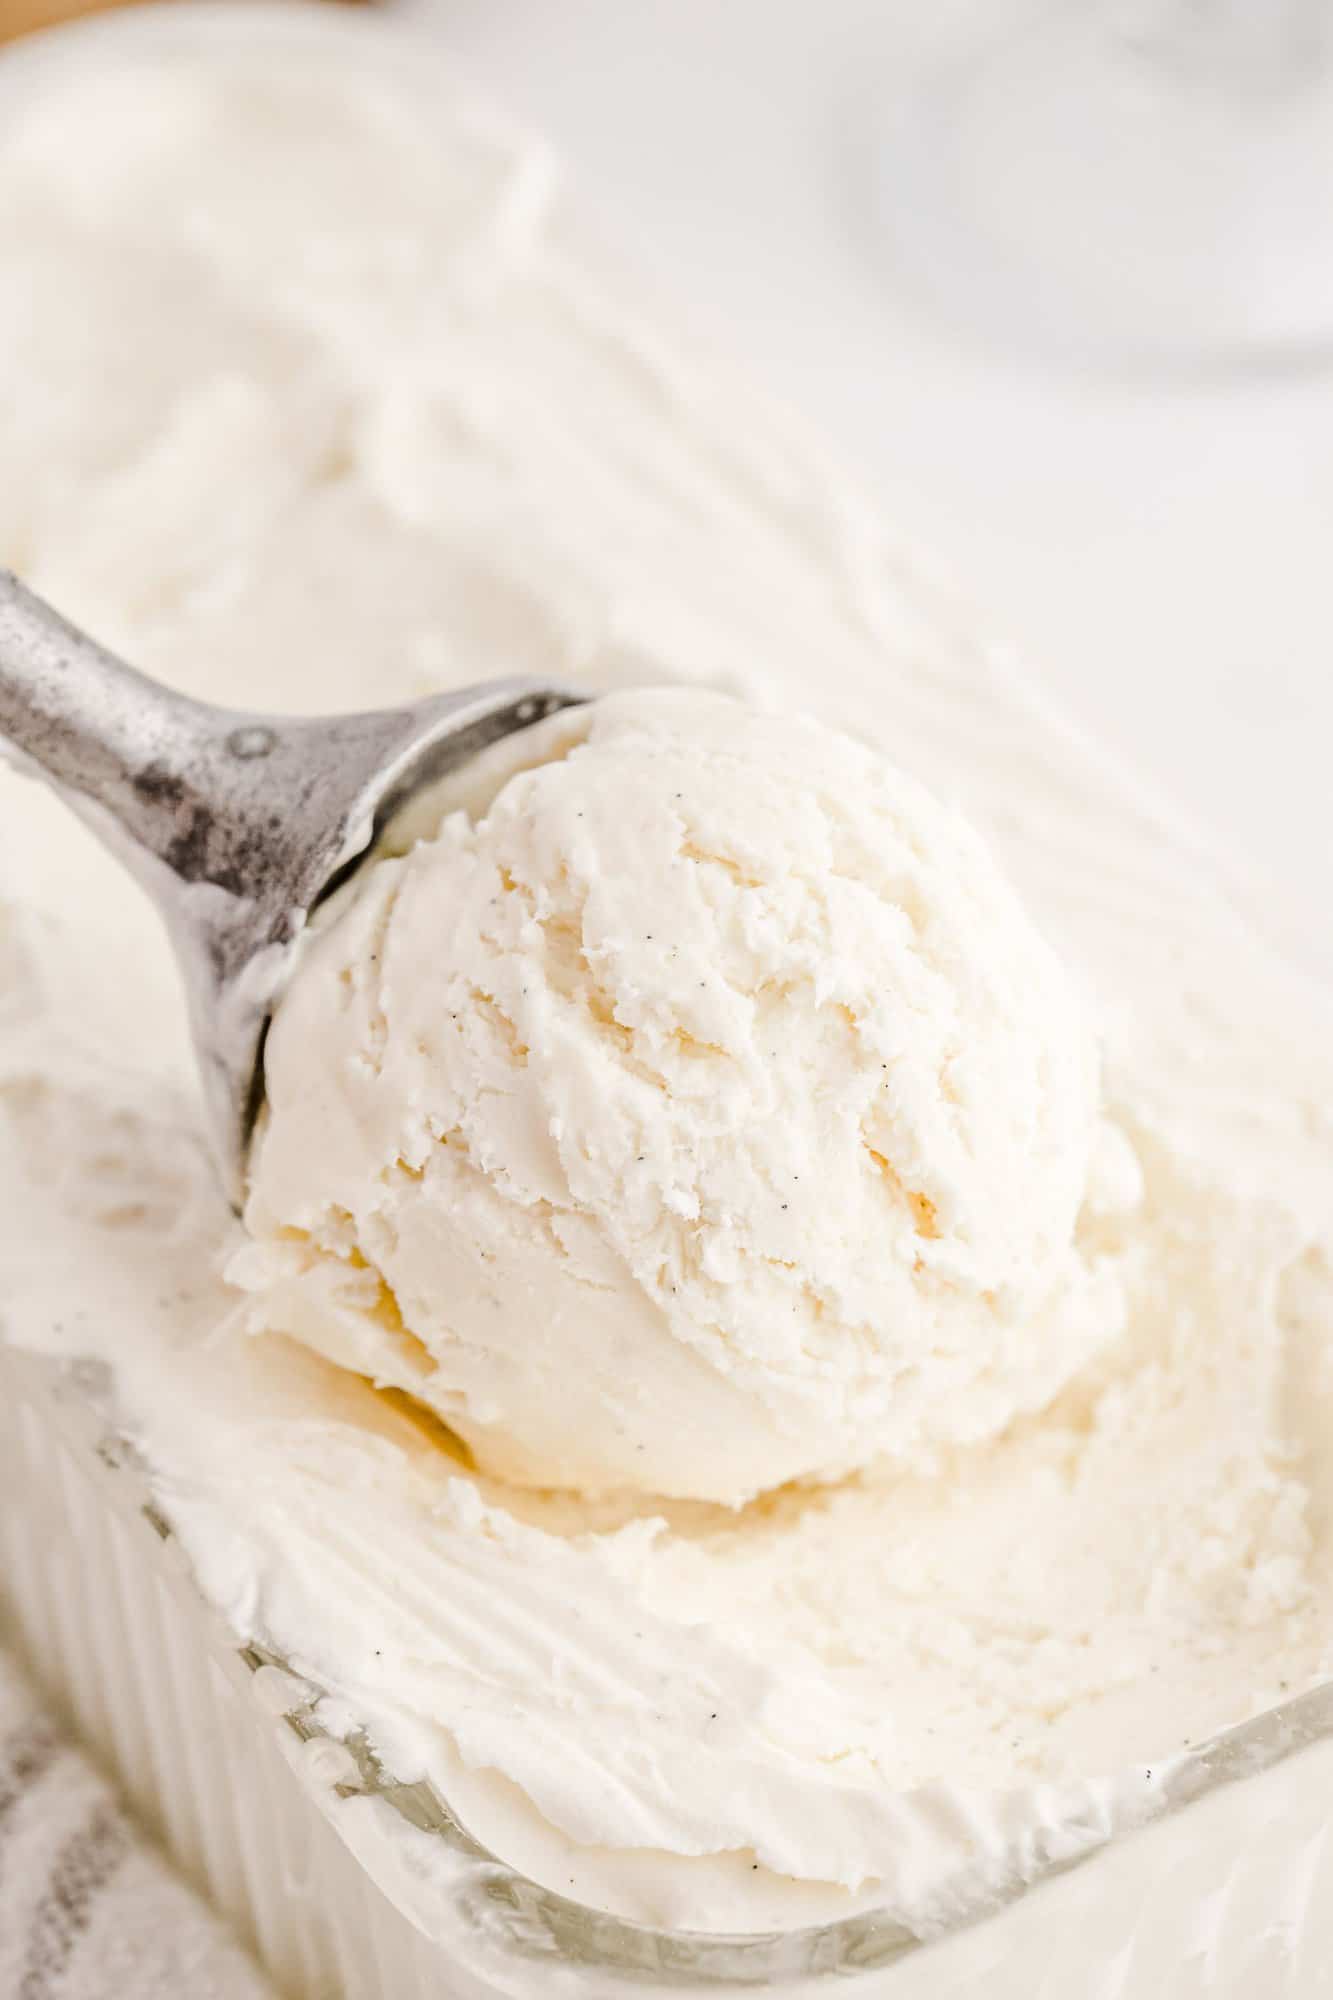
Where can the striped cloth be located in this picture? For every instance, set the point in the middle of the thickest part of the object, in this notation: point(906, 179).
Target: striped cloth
point(88, 1909)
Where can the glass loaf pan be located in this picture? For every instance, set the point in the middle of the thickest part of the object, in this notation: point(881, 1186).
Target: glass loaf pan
point(348, 1887)
point(352, 1888)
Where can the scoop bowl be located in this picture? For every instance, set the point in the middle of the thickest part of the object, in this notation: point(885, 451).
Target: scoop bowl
point(237, 823)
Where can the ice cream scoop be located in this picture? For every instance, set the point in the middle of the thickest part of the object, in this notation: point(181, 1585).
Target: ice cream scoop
point(236, 823)
point(693, 1108)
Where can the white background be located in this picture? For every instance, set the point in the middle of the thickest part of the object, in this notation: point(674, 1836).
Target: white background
point(1162, 554)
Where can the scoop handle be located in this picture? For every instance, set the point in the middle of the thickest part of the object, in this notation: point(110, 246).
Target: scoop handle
point(107, 736)
point(265, 813)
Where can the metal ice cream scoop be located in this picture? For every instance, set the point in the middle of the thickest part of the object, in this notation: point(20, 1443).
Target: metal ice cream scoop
point(237, 824)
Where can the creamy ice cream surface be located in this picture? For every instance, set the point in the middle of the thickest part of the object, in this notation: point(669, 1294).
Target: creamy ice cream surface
point(326, 403)
point(705, 1114)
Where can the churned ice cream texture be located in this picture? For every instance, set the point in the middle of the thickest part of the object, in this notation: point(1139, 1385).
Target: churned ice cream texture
point(701, 1113)
point(326, 404)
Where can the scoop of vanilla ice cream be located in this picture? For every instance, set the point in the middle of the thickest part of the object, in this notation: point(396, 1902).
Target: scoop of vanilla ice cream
point(696, 1112)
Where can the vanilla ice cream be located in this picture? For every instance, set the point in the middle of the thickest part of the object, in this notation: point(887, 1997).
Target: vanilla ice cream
point(326, 403)
point(704, 1114)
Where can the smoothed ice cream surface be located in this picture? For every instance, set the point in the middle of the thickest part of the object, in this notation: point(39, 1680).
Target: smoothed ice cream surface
point(327, 404)
point(703, 1114)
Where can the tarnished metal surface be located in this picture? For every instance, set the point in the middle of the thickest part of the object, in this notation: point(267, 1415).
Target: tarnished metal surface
point(237, 823)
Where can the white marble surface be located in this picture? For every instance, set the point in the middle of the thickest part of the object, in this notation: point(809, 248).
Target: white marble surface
point(1160, 553)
